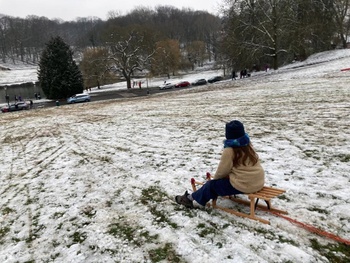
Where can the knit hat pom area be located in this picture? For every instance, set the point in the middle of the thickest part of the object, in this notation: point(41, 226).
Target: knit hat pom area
point(234, 130)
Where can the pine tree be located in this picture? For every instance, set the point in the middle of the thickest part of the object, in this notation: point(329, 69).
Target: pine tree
point(58, 74)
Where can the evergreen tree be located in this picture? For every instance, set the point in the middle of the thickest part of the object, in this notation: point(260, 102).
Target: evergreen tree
point(58, 73)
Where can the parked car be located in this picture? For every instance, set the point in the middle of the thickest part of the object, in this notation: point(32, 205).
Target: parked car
point(198, 82)
point(166, 86)
point(215, 79)
point(79, 98)
point(182, 84)
point(21, 105)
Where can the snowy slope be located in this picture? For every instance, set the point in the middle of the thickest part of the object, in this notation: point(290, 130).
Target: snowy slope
point(95, 182)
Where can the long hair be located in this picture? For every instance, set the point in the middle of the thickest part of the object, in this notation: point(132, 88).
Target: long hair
point(244, 155)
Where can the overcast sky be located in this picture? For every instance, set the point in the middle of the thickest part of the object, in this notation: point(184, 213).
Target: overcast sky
point(71, 9)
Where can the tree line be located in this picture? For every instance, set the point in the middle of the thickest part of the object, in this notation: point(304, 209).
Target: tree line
point(24, 39)
point(275, 32)
point(251, 34)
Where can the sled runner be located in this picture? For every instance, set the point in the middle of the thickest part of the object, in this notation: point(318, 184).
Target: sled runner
point(266, 194)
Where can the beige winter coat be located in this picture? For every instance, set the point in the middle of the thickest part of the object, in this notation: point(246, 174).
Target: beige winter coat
point(247, 179)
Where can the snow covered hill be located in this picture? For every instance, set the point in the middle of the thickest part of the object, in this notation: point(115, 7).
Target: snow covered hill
point(96, 182)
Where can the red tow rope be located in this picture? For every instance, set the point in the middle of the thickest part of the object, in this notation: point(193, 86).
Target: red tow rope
point(314, 229)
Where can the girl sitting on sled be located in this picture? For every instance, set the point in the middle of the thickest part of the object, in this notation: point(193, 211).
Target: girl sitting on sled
point(239, 170)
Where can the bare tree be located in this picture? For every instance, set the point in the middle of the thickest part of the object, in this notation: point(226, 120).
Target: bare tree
point(277, 31)
point(342, 20)
point(196, 53)
point(254, 31)
point(258, 29)
point(94, 67)
point(167, 57)
point(129, 53)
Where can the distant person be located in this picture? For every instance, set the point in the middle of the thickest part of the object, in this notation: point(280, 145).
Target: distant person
point(140, 84)
point(36, 96)
point(233, 75)
point(20, 98)
point(39, 96)
point(266, 67)
point(243, 73)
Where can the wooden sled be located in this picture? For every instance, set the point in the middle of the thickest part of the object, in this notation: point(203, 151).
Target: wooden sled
point(266, 194)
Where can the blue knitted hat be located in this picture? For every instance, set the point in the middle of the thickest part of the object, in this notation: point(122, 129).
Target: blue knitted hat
point(234, 130)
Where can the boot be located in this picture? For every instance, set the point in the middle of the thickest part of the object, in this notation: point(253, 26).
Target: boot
point(184, 200)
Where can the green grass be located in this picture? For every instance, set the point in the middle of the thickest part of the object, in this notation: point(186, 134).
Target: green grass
point(132, 233)
point(78, 237)
point(7, 210)
point(269, 234)
point(4, 231)
point(335, 253)
point(165, 254)
point(345, 158)
point(154, 198)
point(205, 229)
point(312, 154)
point(319, 210)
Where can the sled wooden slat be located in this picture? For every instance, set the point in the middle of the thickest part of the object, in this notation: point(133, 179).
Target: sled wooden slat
point(266, 194)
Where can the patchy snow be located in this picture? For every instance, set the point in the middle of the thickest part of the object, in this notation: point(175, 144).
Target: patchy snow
point(95, 182)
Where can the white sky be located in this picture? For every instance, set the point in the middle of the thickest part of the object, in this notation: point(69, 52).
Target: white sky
point(71, 9)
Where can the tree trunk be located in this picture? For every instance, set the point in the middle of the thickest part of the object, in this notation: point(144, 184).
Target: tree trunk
point(128, 82)
point(275, 62)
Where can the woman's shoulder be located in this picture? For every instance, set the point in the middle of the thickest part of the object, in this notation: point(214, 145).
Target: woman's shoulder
point(228, 151)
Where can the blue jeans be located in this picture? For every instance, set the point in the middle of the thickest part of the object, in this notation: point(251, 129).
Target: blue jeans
point(214, 188)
